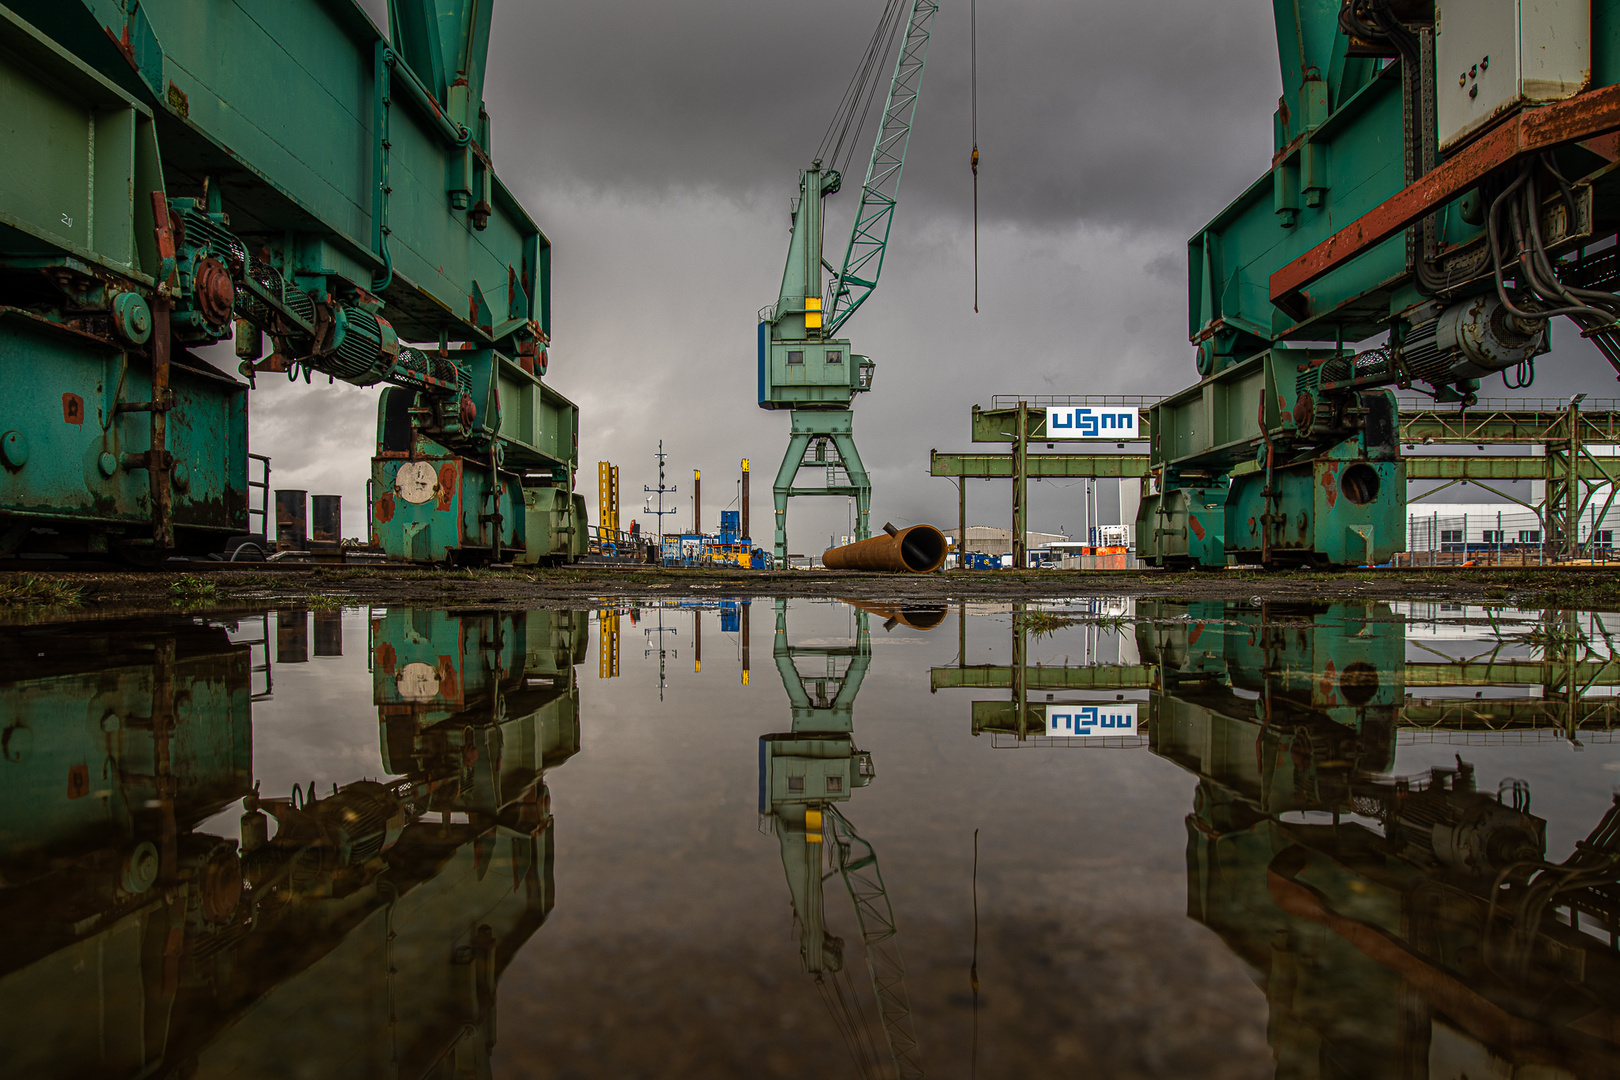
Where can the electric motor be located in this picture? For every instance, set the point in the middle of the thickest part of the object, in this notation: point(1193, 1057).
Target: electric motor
point(1469, 340)
point(201, 229)
point(413, 366)
point(208, 255)
point(363, 347)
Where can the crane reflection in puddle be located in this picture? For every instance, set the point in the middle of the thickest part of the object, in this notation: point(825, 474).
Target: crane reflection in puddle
point(804, 774)
point(137, 943)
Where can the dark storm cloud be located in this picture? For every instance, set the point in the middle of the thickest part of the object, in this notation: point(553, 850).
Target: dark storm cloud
point(658, 144)
point(1118, 112)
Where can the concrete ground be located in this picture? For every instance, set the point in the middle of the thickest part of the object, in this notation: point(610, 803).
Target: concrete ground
point(34, 593)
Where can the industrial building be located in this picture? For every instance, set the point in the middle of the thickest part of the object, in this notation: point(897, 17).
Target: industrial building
point(989, 540)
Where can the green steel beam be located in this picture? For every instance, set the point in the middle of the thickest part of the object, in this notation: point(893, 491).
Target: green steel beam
point(1001, 425)
point(1001, 718)
point(1480, 717)
point(1514, 673)
point(999, 677)
point(1000, 466)
point(1585, 673)
point(1502, 714)
point(1130, 466)
point(1489, 467)
point(1506, 425)
point(1439, 425)
point(1443, 426)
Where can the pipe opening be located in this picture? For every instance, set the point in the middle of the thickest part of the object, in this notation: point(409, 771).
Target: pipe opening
point(922, 618)
point(922, 548)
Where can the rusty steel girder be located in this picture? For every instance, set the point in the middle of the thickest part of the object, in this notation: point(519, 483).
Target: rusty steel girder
point(1596, 112)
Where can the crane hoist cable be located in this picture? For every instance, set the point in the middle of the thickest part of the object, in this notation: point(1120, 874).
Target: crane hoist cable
point(844, 1006)
point(973, 47)
point(843, 131)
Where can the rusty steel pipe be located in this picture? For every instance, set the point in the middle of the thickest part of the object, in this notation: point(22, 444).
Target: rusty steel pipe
point(917, 550)
point(916, 616)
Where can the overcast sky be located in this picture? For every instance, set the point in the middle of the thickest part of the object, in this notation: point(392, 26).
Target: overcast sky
point(658, 145)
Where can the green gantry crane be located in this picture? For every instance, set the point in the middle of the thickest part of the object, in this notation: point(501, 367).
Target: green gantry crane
point(367, 907)
point(289, 177)
point(1434, 184)
point(803, 365)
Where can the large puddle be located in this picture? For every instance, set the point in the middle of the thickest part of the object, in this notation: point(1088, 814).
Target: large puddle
point(1091, 838)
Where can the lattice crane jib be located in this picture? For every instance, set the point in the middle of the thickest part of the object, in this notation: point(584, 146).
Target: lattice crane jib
point(858, 864)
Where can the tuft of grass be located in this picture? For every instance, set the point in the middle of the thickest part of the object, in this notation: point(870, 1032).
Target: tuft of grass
point(192, 589)
point(32, 591)
point(1045, 624)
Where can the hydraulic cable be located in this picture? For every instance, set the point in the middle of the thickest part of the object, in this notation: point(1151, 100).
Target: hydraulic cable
point(1540, 294)
point(1514, 216)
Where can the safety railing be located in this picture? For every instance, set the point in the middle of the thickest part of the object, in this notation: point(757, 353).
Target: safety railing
point(1510, 404)
point(1041, 401)
point(619, 545)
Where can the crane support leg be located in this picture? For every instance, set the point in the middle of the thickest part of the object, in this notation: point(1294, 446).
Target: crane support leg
point(822, 439)
point(857, 480)
point(797, 444)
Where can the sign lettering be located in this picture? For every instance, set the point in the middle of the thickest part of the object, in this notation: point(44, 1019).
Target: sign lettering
point(1116, 718)
point(1092, 422)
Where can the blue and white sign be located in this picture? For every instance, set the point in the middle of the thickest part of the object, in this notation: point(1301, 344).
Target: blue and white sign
point(1114, 718)
point(1117, 422)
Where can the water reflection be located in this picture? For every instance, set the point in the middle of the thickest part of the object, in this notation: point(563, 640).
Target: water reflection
point(804, 776)
point(733, 620)
point(1394, 820)
point(1400, 926)
point(1439, 668)
point(355, 931)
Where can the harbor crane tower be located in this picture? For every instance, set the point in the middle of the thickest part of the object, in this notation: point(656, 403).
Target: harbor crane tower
point(804, 366)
